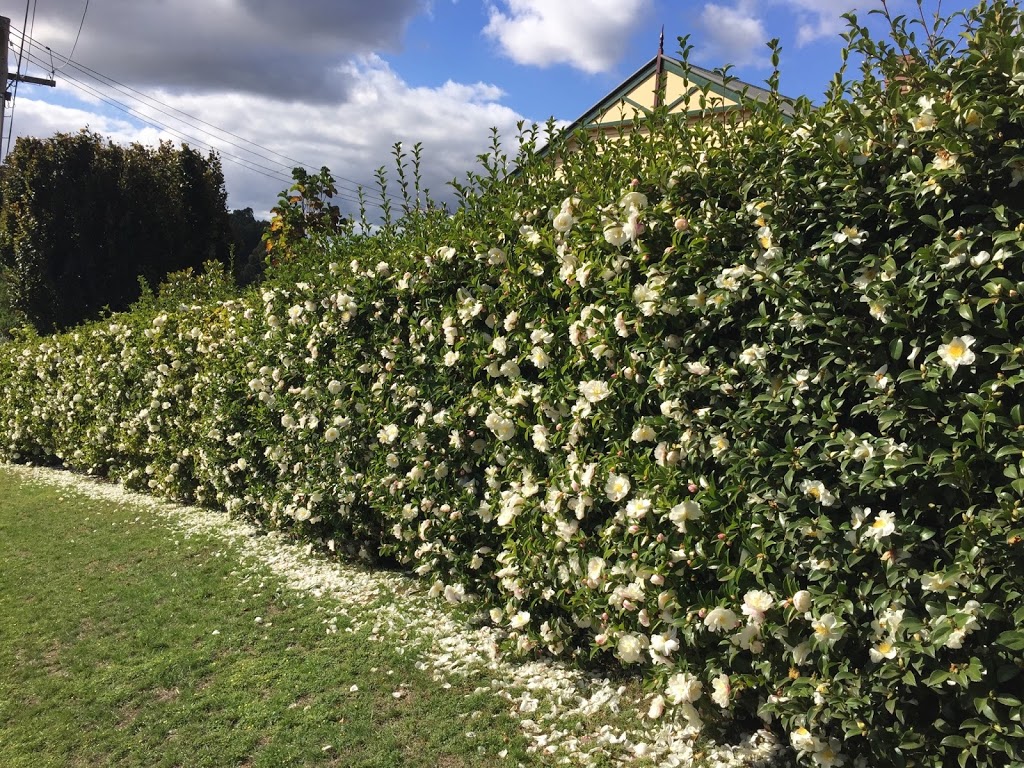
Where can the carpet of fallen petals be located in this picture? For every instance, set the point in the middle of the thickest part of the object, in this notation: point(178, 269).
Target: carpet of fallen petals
point(570, 717)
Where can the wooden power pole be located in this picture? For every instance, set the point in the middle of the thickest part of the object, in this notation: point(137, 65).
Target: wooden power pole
point(17, 77)
point(5, 44)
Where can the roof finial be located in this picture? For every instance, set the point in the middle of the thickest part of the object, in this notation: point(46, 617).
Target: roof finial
point(659, 71)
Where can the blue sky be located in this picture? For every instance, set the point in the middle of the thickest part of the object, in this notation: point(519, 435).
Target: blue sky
point(338, 82)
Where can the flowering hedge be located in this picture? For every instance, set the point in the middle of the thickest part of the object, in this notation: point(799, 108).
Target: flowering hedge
point(737, 402)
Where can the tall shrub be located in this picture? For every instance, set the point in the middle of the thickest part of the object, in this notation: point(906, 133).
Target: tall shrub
point(82, 219)
point(733, 402)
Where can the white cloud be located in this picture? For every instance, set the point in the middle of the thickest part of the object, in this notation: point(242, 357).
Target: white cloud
point(352, 138)
point(42, 120)
point(731, 35)
point(265, 47)
point(820, 18)
point(736, 34)
point(590, 35)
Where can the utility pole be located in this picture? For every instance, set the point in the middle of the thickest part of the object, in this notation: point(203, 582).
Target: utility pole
point(5, 43)
point(17, 77)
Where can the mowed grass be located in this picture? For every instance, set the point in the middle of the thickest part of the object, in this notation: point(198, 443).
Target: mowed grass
point(125, 644)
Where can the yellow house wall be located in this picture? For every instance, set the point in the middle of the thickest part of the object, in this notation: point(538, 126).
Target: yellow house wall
point(675, 88)
point(678, 88)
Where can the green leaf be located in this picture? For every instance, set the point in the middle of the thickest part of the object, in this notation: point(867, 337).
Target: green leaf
point(972, 422)
point(1012, 639)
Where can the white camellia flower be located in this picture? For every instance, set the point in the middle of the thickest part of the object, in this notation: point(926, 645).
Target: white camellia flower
point(816, 490)
point(925, 119)
point(663, 646)
point(755, 603)
point(827, 628)
point(883, 525)
point(886, 649)
point(803, 741)
point(520, 620)
point(944, 160)
point(957, 352)
point(719, 445)
point(647, 296)
point(616, 234)
point(594, 390)
point(937, 582)
point(878, 308)
point(683, 512)
point(540, 438)
point(635, 201)
point(752, 354)
point(980, 258)
point(638, 508)
point(721, 690)
point(504, 429)
point(863, 451)
point(617, 487)
point(880, 379)
point(850, 235)
point(749, 638)
point(563, 222)
point(721, 619)
point(698, 369)
point(539, 357)
point(631, 647)
point(683, 686)
point(643, 434)
point(331, 434)
point(828, 755)
point(388, 434)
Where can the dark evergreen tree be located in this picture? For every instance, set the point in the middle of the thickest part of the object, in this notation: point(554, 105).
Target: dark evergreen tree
point(247, 238)
point(82, 219)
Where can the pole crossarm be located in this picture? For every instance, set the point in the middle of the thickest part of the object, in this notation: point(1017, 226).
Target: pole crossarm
point(14, 77)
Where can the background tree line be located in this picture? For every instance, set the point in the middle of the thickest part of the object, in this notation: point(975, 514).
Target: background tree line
point(85, 223)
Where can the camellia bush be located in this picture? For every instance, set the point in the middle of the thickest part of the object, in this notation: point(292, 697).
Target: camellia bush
point(737, 403)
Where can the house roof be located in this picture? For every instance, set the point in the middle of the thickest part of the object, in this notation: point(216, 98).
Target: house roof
point(685, 89)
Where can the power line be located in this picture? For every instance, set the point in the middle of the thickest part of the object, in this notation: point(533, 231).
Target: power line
point(267, 171)
point(14, 94)
point(140, 95)
point(208, 133)
point(73, 47)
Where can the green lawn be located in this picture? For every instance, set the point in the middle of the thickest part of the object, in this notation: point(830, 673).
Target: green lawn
point(125, 643)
